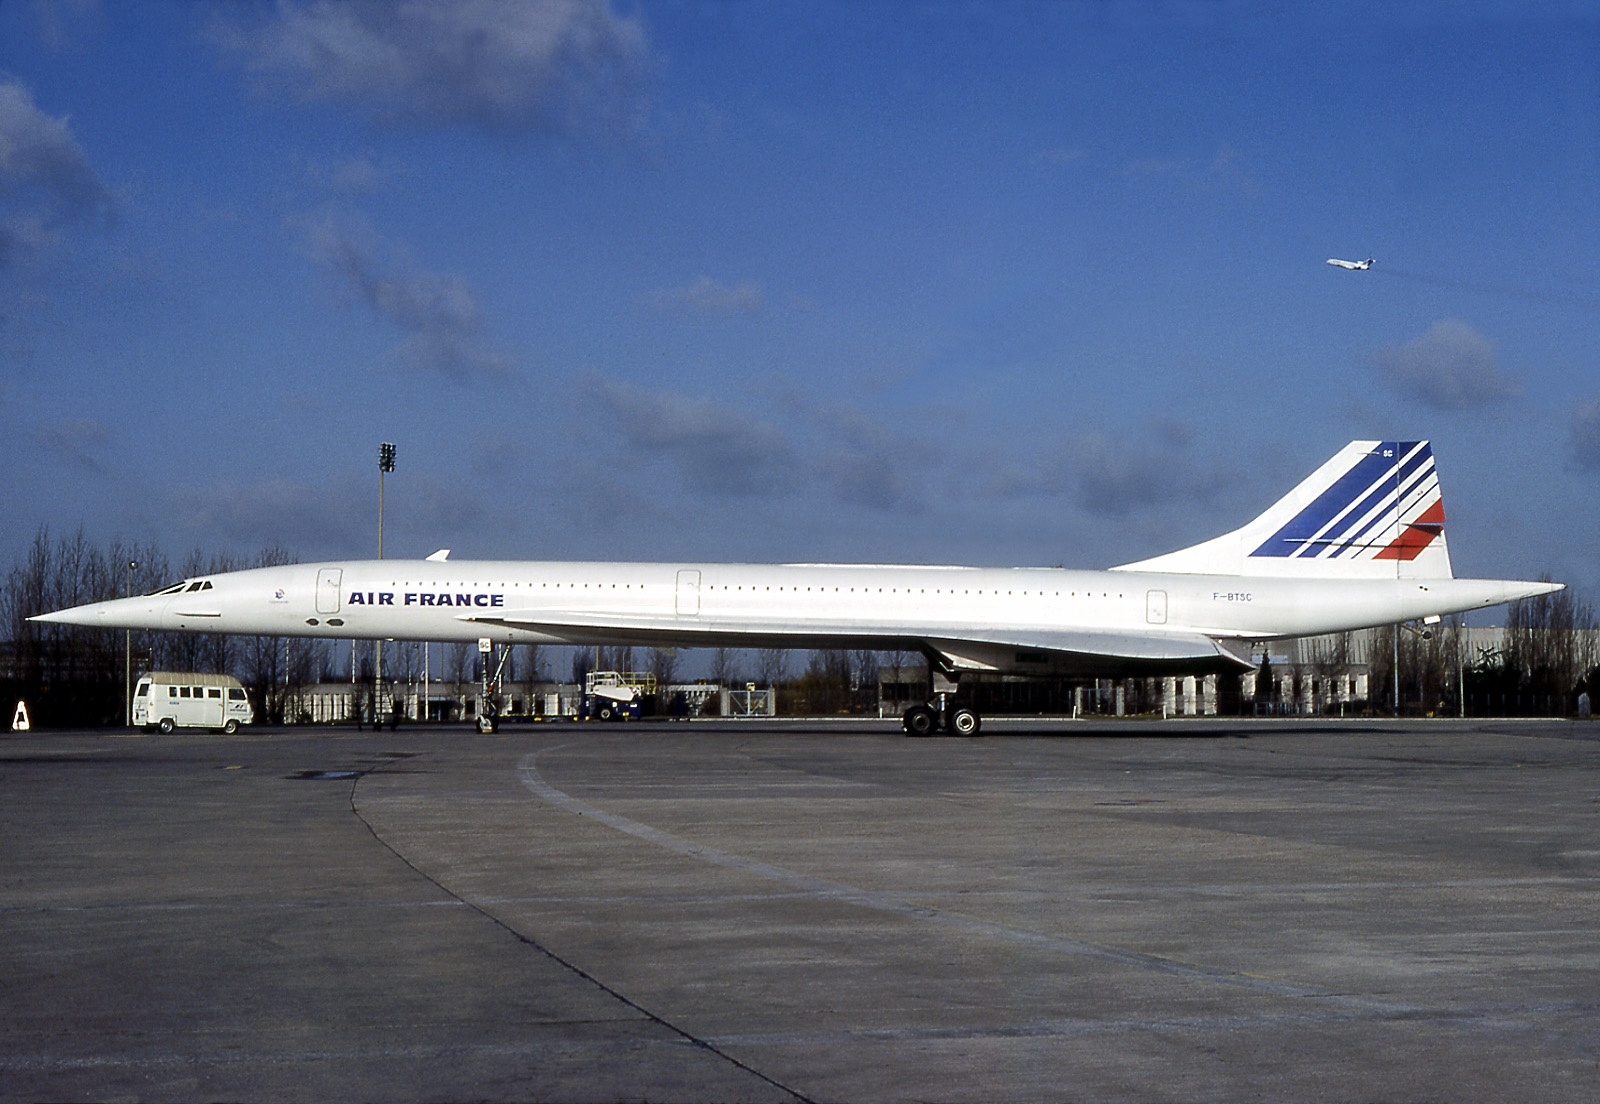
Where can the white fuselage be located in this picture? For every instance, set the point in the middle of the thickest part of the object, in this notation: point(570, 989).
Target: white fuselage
point(771, 605)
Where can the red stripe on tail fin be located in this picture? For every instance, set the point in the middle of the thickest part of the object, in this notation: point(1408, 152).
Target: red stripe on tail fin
point(1416, 536)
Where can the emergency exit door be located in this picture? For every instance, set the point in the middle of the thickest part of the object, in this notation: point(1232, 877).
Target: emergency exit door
point(688, 592)
point(328, 589)
point(1155, 607)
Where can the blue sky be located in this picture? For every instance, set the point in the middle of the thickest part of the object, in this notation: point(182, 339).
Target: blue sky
point(971, 283)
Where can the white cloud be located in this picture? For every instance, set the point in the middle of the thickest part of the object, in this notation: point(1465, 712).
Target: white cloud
point(77, 441)
point(708, 296)
point(716, 448)
point(272, 512)
point(437, 311)
point(1451, 367)
point(863, 462)
point(1117, 480)
point(1111, 479)
point(1586, 436)
point(45, 176)
point(566, 67)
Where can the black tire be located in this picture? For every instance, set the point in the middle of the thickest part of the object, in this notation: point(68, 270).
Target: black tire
point(919, 720)
point(607, 713)
point(964, 722)
point(166, 726)
point(230, 726)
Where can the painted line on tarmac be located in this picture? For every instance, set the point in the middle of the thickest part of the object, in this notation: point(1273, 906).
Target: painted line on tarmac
point(821, 888)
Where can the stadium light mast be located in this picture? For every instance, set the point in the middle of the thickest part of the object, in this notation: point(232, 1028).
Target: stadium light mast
point(385, 465)
point(127, 654)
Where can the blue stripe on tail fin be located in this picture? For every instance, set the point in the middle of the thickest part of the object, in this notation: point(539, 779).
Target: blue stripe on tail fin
point(1364, 510)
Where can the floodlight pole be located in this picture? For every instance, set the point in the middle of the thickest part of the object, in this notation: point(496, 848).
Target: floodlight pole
point(385, 465)
point(127, 654)
point(1399, 529)
point(1396, 665)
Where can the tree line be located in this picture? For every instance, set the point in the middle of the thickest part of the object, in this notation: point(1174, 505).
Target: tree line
point(74, 676)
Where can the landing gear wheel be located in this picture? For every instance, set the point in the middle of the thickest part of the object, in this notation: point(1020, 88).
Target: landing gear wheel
point(919, 720)
point(964, 722)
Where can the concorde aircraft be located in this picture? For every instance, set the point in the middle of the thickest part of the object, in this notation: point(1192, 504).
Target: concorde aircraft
point(1359, 542)
point(1355, 266)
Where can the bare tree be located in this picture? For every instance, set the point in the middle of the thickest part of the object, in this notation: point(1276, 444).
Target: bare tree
point(723, 670)
point(825, 686)
point(617, 658)
point(772, 666)
point(1549, 645)
point(663, 664)
point(864, 678)
point(461, 662)
point(534, 667)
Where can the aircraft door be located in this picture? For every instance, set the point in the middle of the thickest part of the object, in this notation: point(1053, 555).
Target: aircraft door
point(688, 592)
point(1155, 607)
point(328, 589)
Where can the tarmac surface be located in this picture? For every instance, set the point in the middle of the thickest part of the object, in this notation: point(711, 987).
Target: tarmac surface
point(805, 911)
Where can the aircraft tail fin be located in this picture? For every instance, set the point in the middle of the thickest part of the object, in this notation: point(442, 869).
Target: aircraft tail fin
point(1373, 511)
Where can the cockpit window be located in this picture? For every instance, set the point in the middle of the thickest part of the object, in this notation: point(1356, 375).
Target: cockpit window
point(193, 587)
point(173, 589)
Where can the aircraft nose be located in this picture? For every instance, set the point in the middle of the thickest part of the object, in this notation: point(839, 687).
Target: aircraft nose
point(119, 613)
point(92, 615)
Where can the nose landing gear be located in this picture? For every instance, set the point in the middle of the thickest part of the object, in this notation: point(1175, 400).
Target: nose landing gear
point(488, 692)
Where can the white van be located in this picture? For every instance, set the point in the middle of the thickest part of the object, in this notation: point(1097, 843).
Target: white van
point(166, 700)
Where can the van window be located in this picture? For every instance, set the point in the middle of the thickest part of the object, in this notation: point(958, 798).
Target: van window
point(214, 692)
point(143, 690)
point(172, 691)
point(183, 691)
point(236, 693)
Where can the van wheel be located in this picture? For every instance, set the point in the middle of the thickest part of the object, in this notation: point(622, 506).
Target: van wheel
point(230, 726)
point(166, 726)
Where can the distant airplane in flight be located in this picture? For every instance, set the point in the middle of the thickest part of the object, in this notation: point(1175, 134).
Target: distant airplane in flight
point(1353, 265)
point(1359, 542)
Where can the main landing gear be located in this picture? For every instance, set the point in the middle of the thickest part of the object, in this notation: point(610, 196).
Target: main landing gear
point(943, 714)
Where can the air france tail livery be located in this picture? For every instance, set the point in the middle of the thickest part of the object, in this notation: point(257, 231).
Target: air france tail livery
point(1360, 542)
